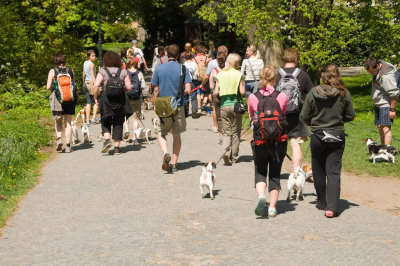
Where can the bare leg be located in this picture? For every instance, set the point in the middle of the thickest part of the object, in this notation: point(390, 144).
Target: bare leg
point(176, 147)
point(273, 198)
point(68, 128)
point(387, 135)
point(58, 127)
point(116, 143)
point(260, 188)
point(95, 109)
point(296, 157)
point(87, 110)
point(162, 141)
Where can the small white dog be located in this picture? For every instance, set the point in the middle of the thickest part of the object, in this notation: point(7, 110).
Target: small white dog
point(296, 182)
point(156, 124)
point(207, 179)
point(142, 133)
point(80, 121)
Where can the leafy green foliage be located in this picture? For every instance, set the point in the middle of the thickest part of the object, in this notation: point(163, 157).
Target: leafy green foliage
point(323, 31)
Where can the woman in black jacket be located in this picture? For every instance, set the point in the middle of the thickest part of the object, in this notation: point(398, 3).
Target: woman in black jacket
point(325, 109)
point(114, 104)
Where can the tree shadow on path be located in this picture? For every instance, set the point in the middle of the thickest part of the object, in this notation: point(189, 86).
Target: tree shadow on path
point(189, 164)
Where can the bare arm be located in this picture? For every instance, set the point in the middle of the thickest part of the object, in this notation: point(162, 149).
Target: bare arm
point(216, 91)
point(156, 91)
point(84, 76)
point(91, 66)
point(188, 87)
point(97, 83)
point(241, 87)
point(128, 85)
point(50, 79)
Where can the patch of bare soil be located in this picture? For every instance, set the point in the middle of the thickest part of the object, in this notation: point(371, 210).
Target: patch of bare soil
point(379, 193)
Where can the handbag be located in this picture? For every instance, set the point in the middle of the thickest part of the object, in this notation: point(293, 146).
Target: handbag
point(167, 106)
point(239, 107)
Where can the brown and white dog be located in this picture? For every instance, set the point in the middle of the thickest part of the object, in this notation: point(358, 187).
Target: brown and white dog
point(207, 179)
point(307, 169)
point(156, 124)
point(144, 134)
point(80, 121)
point(380, 153)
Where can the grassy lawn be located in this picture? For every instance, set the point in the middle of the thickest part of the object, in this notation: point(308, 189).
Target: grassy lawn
point(117, 46)
point(23, 134)
point(356, 157)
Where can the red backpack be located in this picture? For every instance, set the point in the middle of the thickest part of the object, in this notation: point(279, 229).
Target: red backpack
point(270, 125)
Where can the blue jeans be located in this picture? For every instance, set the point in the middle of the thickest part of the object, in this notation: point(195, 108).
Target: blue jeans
point(249, 88)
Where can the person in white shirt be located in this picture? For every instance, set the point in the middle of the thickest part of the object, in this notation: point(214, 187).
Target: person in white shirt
point(139, 53)
point(251, 68)
point(191, 66)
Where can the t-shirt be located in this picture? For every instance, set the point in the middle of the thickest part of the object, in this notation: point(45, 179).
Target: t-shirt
point(139, 52)
point(157, 60)
point(167, 77)
point(191, 66)
point(112, 71)
point(256, 64)
point(213, 64)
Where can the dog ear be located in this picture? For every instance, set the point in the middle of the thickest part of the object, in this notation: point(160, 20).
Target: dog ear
point(205, 165)
point(214, 165)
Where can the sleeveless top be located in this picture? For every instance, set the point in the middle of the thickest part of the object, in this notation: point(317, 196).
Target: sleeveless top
point(86, 68)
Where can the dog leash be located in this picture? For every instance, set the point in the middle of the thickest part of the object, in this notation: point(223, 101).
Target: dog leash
point(374, 131)
point(305, 154)
point(230, 145)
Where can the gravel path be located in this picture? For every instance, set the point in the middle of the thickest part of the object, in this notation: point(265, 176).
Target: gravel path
point(91, 209)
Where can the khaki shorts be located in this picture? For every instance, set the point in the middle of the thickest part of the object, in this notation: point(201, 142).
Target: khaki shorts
point(89, 86)
point(136, 106)
point(297, 140)
point(177, 125)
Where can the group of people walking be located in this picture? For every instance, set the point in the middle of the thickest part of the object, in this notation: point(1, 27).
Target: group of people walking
point(281, 104)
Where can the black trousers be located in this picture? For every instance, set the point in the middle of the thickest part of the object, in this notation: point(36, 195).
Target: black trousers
point(264, 158)
point(326, 166)
point(117, 123)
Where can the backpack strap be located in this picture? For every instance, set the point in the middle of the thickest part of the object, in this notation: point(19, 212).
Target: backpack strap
point(296, 72)
point(119, 72)
point(107, 72)
point(181, 81)
point(282, 72)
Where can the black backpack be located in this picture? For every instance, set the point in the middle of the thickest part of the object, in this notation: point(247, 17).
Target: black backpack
point(115, 86)
point(271, 123)
point(136, 91)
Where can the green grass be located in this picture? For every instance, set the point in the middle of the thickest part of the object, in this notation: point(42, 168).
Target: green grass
point(356, 157)
point(117, 46)
point(23, 132)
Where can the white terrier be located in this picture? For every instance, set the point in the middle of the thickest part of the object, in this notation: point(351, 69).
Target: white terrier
point(296, 182)
point(207, 179)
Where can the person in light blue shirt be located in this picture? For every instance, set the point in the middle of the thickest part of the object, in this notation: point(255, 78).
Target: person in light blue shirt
point(166, 81)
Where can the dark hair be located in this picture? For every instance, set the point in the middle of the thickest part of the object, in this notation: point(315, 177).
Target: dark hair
point(330, 75)
point(187, 55)
point(221, 58)
point(90, 52)
point(223, 49)
point(59, 59)
point(371, 62)
point(173, 51)
point(161, 49)
point(111, 59)
point(123, 52)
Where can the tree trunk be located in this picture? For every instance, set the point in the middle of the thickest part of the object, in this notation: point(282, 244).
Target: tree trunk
point(271, 52)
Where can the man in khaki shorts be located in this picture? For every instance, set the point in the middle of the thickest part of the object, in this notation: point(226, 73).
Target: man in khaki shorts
point(297, 130)
point(166, 80)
